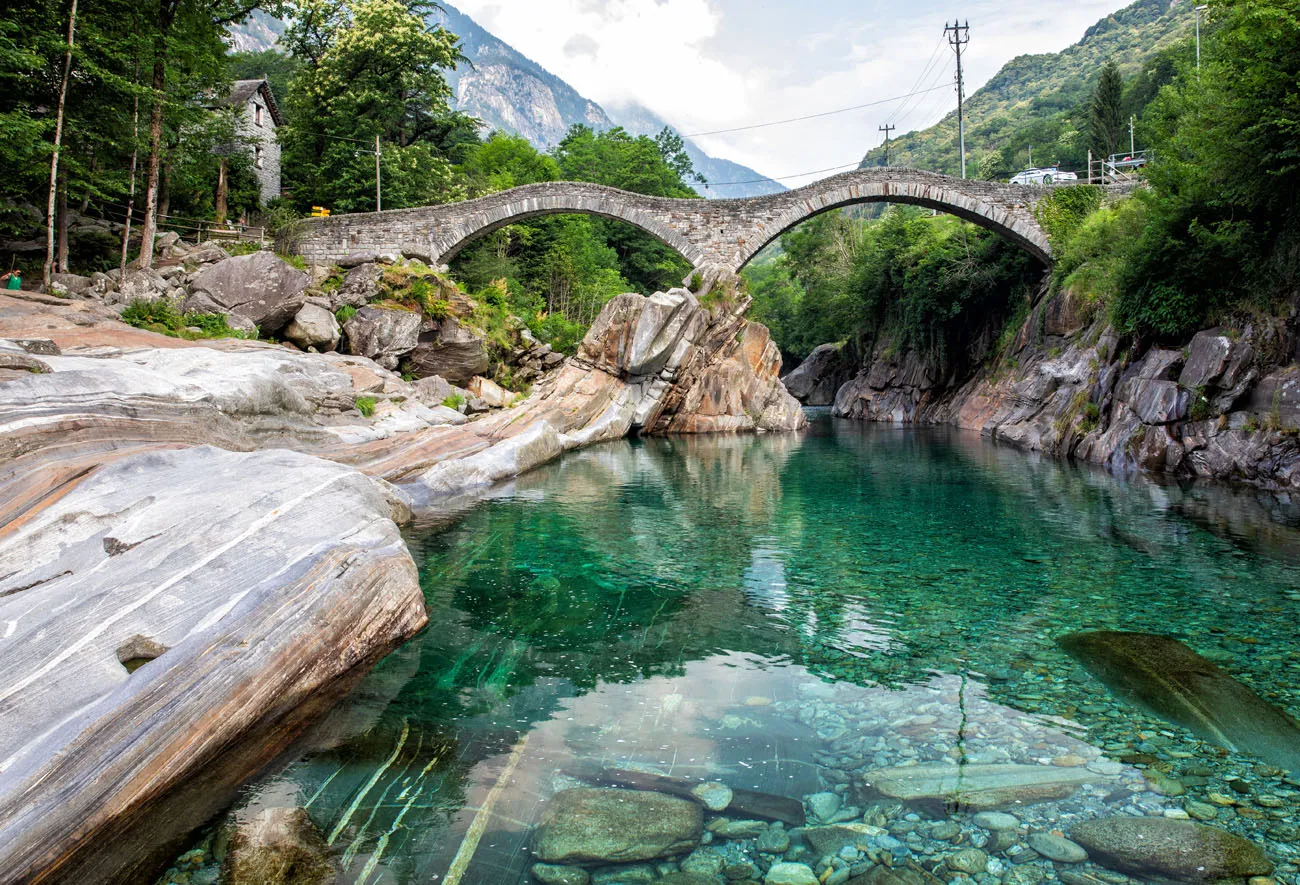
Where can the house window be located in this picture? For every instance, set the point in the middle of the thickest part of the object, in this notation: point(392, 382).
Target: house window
point(257, 114)
point(257, 156)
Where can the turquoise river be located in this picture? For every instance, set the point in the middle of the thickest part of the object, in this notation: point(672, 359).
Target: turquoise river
point(800, 616)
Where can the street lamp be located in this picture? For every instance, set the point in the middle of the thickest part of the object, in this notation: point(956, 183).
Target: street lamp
point(1199, 10)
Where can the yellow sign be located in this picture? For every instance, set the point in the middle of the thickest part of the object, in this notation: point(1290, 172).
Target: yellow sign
point(319, 212)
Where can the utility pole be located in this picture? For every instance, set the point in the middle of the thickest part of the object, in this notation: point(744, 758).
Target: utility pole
point(1132, 143)
point(958, 36)
point(379, 203)
point(1199, 10)
point(887, 128)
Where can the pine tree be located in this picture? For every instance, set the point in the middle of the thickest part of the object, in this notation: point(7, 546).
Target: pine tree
point(1106, 114)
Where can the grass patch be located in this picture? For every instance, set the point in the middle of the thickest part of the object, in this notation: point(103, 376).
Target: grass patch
point(454, 401)
point(293, 260)
point(365, 405)
point(163, 317)
point(243, 248)
point(345, 313)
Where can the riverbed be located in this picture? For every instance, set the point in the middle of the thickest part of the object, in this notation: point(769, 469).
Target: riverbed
point(799, 615)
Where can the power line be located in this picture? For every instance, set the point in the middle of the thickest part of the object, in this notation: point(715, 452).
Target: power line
point(852, 165)
point(856, 107)
point(925, 72)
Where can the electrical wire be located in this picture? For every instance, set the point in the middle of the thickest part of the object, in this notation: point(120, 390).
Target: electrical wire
point(856, 107)
point(901, 113)
point(852, 165)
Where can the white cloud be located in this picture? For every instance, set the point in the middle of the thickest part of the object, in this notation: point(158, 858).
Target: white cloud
point(715, 64)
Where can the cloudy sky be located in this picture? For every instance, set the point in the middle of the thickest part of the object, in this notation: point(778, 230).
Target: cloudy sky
point(717, 64)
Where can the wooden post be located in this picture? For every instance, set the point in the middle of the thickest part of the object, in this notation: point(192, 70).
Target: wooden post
point(223, 188)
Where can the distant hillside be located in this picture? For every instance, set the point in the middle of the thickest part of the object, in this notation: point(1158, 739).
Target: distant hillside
point(258, 34)
point(1027, 103)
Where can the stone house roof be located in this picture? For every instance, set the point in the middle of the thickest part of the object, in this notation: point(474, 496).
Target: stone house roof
point(243, 90)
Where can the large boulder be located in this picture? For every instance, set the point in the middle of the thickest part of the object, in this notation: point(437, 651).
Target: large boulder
point(616, 826)
point(1179, 850)
point(278, 846)
point(383, 334)
point(453, 351)
point(815, 380)
point(496, 396)
point(261, 287)
point(360, 286)
point(313, 326)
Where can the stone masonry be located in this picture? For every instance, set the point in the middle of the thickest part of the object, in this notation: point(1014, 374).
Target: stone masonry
point(716, 236)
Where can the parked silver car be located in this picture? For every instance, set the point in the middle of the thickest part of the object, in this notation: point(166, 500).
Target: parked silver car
point(1048, 175)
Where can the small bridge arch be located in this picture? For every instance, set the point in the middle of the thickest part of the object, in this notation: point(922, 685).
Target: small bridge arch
point(713, 235)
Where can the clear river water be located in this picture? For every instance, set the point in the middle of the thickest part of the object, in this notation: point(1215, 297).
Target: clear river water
point(794, 615)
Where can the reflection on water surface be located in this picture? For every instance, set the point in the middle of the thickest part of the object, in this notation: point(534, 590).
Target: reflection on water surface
point(802, 616)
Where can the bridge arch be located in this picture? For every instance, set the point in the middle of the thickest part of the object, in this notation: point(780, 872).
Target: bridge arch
point(1005, 210)
point(479, 217)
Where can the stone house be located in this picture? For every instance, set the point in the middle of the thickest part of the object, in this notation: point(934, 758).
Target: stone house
point(259, 119)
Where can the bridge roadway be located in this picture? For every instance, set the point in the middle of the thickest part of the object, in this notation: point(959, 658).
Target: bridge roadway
point(716, 236)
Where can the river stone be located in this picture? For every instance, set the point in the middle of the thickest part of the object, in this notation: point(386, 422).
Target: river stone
point(1166, 677)
point(790, 874)
point(714, 796)
point(1057, 848)
point(261, 287)
point(383, 334)
point(555, 874)
point(313, 326)
point(831, 839)
point(995, 821)
point(738, 829)
point(773, 840)
point(1181, 850)
point(278, 846)
point(882, 875)
point(496, 396)
point(632, 874)
point(609, 825)
point(824, 805)
point(971, 861)
point(979, 787)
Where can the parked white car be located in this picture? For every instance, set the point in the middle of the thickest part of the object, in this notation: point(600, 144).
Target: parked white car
point(1049, 175)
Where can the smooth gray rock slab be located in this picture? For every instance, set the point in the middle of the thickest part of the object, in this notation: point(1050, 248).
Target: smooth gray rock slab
point(615, 826)
point(1057, 848)
point(982, 787)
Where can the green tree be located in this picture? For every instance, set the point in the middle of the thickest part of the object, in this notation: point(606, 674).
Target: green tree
point(371, 69)
point(1106, 121)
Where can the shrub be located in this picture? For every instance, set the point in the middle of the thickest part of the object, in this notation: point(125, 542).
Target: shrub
point(1064, 209)
point(163, 317)
point(366, 405)
point(454, 401)
point(345, 313)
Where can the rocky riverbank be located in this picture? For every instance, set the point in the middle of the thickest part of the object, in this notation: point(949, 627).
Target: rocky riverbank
point(199, 539)
point(1224, 405)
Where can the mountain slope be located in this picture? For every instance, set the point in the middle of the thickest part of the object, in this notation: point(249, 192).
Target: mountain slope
point(726, 179)
point(509, 91)
point(1026, 102)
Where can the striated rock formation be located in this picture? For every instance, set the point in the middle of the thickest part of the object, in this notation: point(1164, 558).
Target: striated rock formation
point(156, 621)
point(177, 607)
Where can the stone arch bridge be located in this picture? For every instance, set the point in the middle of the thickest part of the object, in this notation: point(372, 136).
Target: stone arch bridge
point(716, 236)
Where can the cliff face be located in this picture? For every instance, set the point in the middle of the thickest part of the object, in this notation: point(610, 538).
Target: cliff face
point(1224, 405)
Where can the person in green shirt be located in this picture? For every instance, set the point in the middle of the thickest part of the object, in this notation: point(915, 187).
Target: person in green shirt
point(13, 279)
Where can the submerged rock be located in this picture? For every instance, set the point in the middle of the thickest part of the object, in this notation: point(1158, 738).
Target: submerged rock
point(1181, 850)
point(978, 787)
point(278, 846)
point(1167, 678)
point(609, 826)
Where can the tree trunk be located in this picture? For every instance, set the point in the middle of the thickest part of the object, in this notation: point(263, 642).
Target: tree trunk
point(222, 190)
point(135, 156)
point(165, 192)
point(58, 144)
point(149, 229)
point(61, 214)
